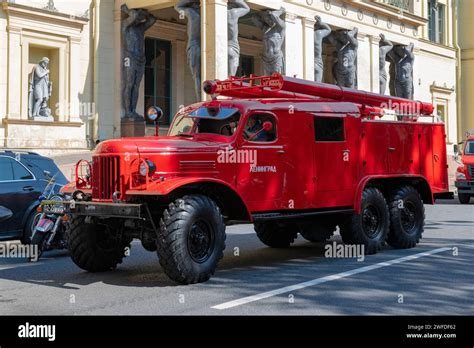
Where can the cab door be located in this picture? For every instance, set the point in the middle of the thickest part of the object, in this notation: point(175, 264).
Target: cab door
point(335, 158)
point(260, 162)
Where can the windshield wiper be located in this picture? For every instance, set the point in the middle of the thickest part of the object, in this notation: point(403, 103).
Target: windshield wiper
point(185, 135)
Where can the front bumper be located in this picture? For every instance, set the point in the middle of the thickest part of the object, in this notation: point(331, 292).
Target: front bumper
point(465, 186)
point(100, 209)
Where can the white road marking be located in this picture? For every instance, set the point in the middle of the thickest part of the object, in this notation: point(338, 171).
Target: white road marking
point(325, 279)
point(18, 265)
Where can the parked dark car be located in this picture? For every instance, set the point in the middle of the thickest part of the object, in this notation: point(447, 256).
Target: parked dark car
point(23, 177)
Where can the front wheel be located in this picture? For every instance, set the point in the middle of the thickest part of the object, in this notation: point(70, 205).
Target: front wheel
point(407, 218)
point(29, 228)
point(191, 239)
point(93, 245)
point(39, 239)
point(370, 227)
point(464, 198)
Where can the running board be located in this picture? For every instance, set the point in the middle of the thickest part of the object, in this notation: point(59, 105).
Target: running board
point(298, 214)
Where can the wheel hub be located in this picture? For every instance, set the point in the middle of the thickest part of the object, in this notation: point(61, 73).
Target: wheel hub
point(200, 241)
point(371, 221)
point(408, 217)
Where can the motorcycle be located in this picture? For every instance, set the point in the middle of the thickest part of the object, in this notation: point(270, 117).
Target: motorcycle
point(49, 231)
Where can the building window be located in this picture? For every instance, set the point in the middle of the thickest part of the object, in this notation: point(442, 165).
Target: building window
point(401, 4)
point(436, 21)
point(246, 66)
point(158, 76)
point(329, 128)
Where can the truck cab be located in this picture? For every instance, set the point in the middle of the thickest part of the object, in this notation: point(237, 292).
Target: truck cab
point(286, 161)
point(465, 173)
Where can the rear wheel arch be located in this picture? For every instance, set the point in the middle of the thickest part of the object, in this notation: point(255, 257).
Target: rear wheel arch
point(388, 184)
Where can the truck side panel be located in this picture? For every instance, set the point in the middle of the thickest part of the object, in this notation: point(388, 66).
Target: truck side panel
point(440, 165)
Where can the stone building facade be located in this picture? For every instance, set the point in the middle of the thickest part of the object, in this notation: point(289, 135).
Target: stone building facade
point(82, 40)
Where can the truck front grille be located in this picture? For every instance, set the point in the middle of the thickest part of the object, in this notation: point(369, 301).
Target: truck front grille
point(106, 176)
point(470, 170)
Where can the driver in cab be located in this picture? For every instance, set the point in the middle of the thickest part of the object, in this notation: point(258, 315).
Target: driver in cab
point(254, 130)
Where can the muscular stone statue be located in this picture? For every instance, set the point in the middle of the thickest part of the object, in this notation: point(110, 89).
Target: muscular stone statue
point(345, 69)
point(192, 10)
point(274, 29)
point(235, 10)
point(321, 30)
point(133, 53)
point(40, 90)
point(403, 59)
point(385, 46)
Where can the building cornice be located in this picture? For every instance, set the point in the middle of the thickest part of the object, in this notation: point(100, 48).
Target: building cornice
point(18, 10)
point(389, 11)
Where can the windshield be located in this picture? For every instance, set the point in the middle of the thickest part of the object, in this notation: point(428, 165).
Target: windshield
point(469, 150)
point(206, 120)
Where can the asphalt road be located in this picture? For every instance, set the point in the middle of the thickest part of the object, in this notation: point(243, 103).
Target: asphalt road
point(435, 278)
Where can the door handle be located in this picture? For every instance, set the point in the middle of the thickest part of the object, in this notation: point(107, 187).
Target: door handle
point(280, 151)
point(391, 149)
point(28, 188)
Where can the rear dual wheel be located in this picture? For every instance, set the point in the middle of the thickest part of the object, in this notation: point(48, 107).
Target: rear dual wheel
point(370, 227)
point(400, 222)
point(407, 218)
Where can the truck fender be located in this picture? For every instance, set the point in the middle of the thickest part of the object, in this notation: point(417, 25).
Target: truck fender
point(163, 188)
point(399, 179)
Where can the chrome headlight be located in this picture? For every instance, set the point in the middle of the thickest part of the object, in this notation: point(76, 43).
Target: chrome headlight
point(460, 176)
point(143, 168)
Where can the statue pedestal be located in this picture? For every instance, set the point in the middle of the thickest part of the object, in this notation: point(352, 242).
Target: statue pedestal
point(130, 128)
point(43, 118)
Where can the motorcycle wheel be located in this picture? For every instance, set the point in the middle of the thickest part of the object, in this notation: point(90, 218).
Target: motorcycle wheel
point(39, 239)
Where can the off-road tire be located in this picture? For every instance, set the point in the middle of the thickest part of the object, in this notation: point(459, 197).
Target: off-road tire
point(405, 204)
point(276, 234)
point(85, 251)
point(317, 231)
point(464, 198)
point(191, 226)
point(28, 229)
point(354, 229)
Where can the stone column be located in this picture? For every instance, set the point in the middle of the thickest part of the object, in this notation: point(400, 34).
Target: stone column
point(364, 63)
point(374, 64)
point(214, 40)
point(14, 73)
point(178, 55)
point(73, 113)
point(293, 46)
point(308, 48)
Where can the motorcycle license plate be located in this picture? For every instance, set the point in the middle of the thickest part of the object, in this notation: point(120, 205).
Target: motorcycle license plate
point(44, 225)
point(53, 208)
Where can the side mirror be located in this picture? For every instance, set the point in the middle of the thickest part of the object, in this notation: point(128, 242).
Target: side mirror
point(456, 149)
point(5, 213)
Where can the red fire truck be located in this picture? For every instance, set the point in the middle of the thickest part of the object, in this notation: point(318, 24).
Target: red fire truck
point(288, 155)
point(465, 173)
